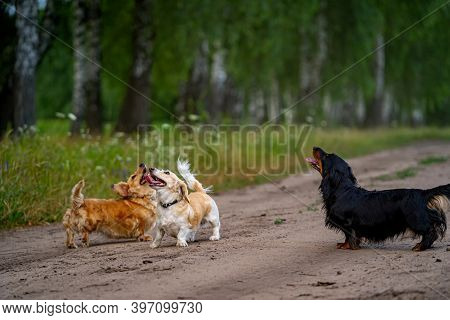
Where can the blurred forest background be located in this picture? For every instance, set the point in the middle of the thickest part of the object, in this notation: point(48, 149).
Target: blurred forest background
point(223, 62)
point(97, 69)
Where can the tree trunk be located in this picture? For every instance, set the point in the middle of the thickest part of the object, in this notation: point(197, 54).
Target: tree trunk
point(78, 94)
point(7, 106)
point(312, 58)
point(86, 90)
point(48, 24)
point(374, 115)
point(136, 106)
point(218, 80)
point(273, 109)
point(233, 103)
point(288, 113)
point(93, 107)
point(7, 52)
point(256, 107)
point(195, 89)
point(27, 57)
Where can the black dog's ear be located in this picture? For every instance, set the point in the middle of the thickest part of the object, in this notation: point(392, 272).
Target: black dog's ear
point(351, 175)
point(325, 187)
point(335, 176)
point(329, 183)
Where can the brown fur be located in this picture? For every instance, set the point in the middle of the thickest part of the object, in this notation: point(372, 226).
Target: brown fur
point(128, 217)
point(439, 203)
point(201, 206)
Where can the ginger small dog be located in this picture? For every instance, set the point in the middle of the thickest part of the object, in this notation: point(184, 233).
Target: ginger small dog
point(179, 213)
point(128, 217)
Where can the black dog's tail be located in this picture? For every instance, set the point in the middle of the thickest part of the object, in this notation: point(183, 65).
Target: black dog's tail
point(438, 201)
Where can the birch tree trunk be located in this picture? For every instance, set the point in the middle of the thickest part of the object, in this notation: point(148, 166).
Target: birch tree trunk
point(94, 115)
point(135, 109)
point(7, 25)
point(256, 107)
point(195, 89)
point(312, 58)
point(86, 90)
point(79, 82)
point(218, 81)
point(273, 109)
point(374, 114)
point(27, 57)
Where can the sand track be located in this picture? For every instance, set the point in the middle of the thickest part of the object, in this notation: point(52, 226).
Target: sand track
point(256, 259)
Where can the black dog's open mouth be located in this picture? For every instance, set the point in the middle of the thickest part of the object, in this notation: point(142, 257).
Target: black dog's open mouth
point(314, 163)
point(154, 181)
point(316, 160)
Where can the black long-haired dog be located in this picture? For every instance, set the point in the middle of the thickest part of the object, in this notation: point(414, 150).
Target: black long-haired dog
point(377, 215)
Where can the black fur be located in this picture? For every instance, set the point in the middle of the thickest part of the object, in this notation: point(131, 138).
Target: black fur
point(376, 215)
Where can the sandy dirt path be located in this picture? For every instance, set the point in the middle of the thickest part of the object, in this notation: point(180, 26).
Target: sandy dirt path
point(256, 259)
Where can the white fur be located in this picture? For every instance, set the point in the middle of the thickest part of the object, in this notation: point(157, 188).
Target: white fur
point(184, 168)
point(214, 219)
point(175, 222)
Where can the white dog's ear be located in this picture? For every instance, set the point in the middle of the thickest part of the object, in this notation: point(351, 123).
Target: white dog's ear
point(121, 189)
point(184, 191)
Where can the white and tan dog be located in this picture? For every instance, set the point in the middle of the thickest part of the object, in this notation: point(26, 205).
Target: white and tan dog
point(180, 213)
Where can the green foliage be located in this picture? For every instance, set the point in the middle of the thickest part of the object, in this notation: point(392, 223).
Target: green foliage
point(262, 42)
point(55, 72)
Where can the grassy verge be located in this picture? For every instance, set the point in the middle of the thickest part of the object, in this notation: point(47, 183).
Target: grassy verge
point(412, 171)
point(37, 173)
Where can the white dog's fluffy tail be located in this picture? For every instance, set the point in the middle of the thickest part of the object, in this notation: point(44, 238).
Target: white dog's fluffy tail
point(193, 184)
point(77, 197)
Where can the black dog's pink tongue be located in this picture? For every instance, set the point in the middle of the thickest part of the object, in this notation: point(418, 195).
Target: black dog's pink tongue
point(311, 161)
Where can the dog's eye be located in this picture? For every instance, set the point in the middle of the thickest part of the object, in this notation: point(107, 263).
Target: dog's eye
point(133, 177)
point(167, 172)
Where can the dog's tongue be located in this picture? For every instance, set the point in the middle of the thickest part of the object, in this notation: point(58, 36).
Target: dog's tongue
point(148, 178)
point(312, 161)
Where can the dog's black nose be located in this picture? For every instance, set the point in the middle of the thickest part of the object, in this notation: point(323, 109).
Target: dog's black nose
point(142, 165)
point(152, 169)
point(112, 186)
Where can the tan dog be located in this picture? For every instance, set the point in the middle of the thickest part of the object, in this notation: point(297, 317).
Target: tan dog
point(128, 217)
point(178, 213)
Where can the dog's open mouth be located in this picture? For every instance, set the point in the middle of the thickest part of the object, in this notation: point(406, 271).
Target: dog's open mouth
point(143, 179)
point(314, 163)
point(154, 181)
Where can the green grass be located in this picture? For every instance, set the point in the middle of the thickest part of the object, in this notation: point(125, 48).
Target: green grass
point(279, 221)
point(412, 171)
point(399, 175)
point(38, 172)
point(406, 173)
point(433, 160)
